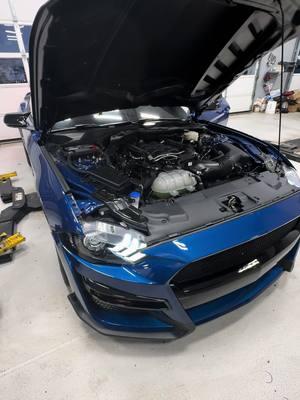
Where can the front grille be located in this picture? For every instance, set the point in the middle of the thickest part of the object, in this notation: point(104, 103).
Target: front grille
point(212, 270)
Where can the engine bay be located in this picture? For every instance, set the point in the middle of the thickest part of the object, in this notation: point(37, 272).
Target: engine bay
point(169, 165)
point(166, 180)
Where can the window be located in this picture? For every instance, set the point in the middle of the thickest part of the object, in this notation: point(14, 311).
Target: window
point(12, 71)
point(11, 59)
point(8, 39)
point(25, 30)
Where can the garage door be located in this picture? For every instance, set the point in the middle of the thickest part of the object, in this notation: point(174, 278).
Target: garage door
point(240, 93)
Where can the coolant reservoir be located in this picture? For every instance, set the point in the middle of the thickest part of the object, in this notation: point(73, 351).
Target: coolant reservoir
point(192, 136)
point(173, 183)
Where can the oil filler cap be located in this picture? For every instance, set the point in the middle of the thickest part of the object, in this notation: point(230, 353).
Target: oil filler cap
point(234, 203)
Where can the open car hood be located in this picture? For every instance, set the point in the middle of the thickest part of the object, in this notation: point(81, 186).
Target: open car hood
point(99, 55)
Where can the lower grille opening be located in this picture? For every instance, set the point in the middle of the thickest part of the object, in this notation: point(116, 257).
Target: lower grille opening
point(228, 265)
point(112, 299)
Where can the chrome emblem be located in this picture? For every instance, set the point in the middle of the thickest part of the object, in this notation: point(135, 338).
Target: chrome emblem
point(250, 265)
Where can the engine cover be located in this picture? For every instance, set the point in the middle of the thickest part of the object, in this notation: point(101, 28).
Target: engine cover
point(173, 183)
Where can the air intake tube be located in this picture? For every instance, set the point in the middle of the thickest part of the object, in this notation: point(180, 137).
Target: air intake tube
point(225, 164)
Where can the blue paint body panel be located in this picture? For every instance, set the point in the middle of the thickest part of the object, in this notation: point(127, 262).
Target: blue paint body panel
point(219, 115)
point(151, 277)
point(55, 201)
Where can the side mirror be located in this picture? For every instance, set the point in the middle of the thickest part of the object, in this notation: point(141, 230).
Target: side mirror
point(16, 120)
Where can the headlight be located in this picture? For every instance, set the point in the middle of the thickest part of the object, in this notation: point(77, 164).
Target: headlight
point(122, 242)
point(292, 176)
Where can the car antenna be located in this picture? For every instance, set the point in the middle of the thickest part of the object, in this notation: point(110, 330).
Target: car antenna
point(281, 74)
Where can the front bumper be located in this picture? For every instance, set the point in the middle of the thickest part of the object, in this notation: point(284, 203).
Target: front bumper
point(174, 315)
point(198, 315)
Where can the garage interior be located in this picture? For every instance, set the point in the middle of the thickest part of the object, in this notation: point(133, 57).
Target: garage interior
point(46, 352)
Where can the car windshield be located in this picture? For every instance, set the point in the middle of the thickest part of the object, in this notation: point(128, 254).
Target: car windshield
point(122, 116)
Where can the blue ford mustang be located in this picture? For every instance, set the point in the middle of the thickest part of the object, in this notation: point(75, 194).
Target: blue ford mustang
point(161, 221)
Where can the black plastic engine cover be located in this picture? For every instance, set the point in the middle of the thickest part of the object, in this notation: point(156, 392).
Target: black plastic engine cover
point(112, 180)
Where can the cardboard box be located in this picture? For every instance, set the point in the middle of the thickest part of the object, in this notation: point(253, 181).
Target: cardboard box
point(296, 95)
point(294, 107)
point(259, 105)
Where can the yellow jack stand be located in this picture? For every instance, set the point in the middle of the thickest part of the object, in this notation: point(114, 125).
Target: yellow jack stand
point(5, 177)
point(9, 242)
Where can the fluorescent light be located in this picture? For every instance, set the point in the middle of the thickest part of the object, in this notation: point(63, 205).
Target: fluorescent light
point(149, 123)
point(108, 117)
point(146, 115)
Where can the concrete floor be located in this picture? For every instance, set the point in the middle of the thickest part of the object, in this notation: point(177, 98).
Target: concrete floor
point(47, 353)
point(265, 126)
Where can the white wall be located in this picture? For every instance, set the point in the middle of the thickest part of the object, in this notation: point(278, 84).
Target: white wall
point(26, 9)
point(10, 98)
point(5, 13)
point(295, 82)
point(239, 94)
